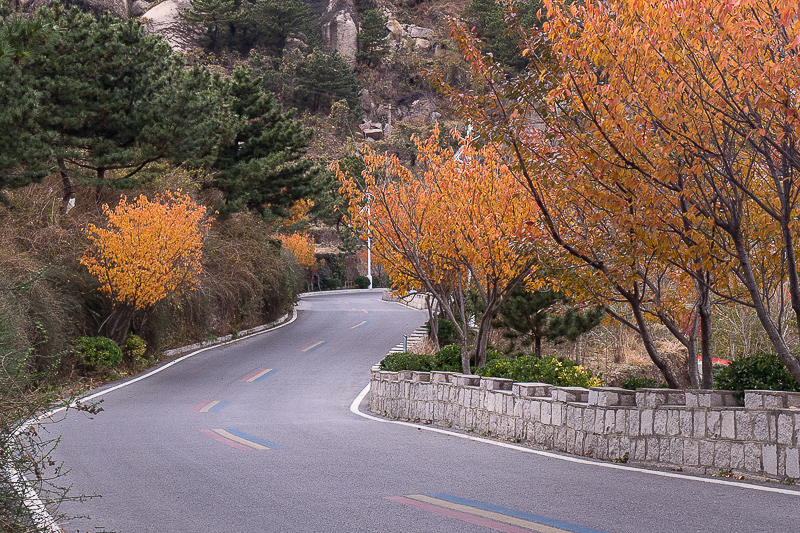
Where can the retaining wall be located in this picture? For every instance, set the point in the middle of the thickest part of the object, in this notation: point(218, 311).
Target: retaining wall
point(697, 431)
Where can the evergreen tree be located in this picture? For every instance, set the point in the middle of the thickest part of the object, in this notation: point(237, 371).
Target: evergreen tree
point(323, 79)
point(262, 168)
point(268, 24)
point(24, 148)
point(117, 100)
point(531, 317)
point(487, 17)
point(372, 43)
point(216, 17)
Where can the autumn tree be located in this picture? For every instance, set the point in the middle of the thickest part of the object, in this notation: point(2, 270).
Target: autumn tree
point(683, 112)
point(147, 251)
point(454, 226)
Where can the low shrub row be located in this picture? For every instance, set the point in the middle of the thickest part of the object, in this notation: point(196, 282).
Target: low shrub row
point(528, 368)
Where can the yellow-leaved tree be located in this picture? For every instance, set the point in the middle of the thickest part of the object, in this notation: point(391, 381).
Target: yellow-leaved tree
point(148, 250)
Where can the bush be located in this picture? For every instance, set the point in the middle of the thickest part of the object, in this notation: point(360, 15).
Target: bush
point(762, 371)
point(134, 351)
point(633, 382)
point(529, 368)
point(446, 332)
point(98, 353)
point(407, 361)
point(362, 282)
point(448, 359)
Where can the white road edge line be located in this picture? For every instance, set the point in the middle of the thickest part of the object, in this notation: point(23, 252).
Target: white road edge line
point(33, 503)
point(354, 408)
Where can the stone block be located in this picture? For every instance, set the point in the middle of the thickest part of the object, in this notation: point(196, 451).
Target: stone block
point(646, 426)
point(706, 457)
point(687, 422)
point(621, 425)
point(737, 455)
point(673, 422)
point(676, 451)
point(589, 415)
point(752, 457)
point(728, 426)
point(722, 455)
point(785, 429)
point(610, 396)
point(438, 376)
point(713, 424)
point(769, 456)
point(660, 421)
point(765, 399)
point(632, 428)
point(652, 398)
point(495, 383)
point(699, 427)
point(793, 400)
point(760, 426)
point(792, 468)
point(710, 398)
point(570, 394)
point(466, 380)
point(547, 413)
point(653, 449)
point(639, 448)
point(421, 377)
point(557, 413)
point(533, 389)
point(744, 425)
point(664, 450)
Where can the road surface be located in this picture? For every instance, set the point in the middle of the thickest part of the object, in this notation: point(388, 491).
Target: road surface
point(258, 436)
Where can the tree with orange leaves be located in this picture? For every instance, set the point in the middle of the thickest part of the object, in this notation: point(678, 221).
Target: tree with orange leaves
point(301, 247)
point(457, 225)
point(669, 155)
point(147, 251)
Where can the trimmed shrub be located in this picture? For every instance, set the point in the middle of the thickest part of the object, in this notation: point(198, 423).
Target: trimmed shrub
point(98, 353)
point(407, 361)
point(362, 282)
point(633, 382)
point(762, 371)
point(134, 351)
point(448, 359)
point(529, 368)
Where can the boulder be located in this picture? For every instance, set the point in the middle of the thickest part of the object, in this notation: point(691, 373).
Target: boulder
point(339, 29)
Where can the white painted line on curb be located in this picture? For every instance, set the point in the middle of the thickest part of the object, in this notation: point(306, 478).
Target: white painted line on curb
point(354, 408)
point(33, 503)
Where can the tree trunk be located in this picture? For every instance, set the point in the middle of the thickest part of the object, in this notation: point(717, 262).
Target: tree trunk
point(433, 320)
point(68, 201)
point(118, 324)
point(704, 309)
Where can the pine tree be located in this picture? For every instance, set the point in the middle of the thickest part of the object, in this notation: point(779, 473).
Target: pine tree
point(372, 43)
point(262, 168)
point(118, 100)
point(24, 149)
point(216, 17)
point(323, 79)
point(531, 317)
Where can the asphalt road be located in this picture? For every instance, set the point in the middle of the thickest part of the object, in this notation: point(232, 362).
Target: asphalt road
point(258, 436)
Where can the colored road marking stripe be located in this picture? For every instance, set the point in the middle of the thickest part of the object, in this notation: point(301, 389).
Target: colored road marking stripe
point(464, 517)
point(223, 440)
point(251, 438)
point(532, 526)
point(258, 375)
point(197, 407)
point(362, 323)
point(235, 438)
point(217, 408)
point(574, 528)
point(312, 346)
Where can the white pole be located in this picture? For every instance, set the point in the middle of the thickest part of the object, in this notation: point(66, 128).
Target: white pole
point(369, 248)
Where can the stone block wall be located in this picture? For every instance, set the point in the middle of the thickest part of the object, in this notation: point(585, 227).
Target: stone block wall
point(696, 431)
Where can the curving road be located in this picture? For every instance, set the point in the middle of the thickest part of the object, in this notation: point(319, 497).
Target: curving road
point(258, 436)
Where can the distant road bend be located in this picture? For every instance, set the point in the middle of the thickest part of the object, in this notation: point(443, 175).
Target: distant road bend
point(258, 436)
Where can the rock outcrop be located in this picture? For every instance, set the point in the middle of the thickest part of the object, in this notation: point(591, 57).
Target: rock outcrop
point(340, 30)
